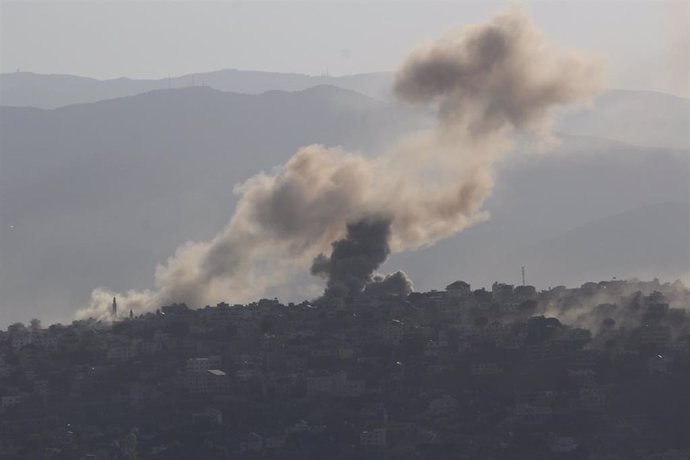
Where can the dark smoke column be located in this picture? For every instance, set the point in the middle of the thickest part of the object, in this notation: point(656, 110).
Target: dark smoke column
point(351, 266)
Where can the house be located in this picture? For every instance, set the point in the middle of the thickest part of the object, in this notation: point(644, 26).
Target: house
point(176, 310)
point(198, 365)
point(138, 392)
point(524, 293)
point(375, 437)
point(253, 443)
point(482, 297)
point(269, 342)
point(392, 332)
point(655, 334)
point(501, 292)
point(282, 384)
point(46, 341)
point(217, 381)
point(247, 374)
point(459, 289)
point(20, 339)
point(670, 455)
point(512, 342)
point(208, 416)
point(11, 400)
point(120, 351)
point(527, 413)
point(562, 444)
point(274, 442)
point(6, 369)
point(41, 387)
point(150, 347)
point(319, 385)
point(659, 364)
point(350, 388)
point(201, 375)
point(486, 369)
point(443, 405)
point(335, 385)
point(591, 398)
point(324, 352)
point(436, 348)
point(346, 352)
point(493, 332)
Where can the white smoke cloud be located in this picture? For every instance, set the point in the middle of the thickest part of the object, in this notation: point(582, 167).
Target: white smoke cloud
point(490, 81)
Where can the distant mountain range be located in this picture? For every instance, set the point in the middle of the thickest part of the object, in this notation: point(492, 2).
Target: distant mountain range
point(24, 89)
point(99, 193)
point(638, 117)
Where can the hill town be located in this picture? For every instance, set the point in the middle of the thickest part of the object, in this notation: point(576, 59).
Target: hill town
point(595, 372)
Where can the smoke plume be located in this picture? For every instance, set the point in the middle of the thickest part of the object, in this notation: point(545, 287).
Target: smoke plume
point(496, 76)
point(397, 284)
point(354, 258)
point(490, 82)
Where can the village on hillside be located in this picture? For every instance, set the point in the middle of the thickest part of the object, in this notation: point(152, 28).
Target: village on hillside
point(596, 372)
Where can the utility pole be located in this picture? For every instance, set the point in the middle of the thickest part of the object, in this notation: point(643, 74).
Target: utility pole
point(523, 275)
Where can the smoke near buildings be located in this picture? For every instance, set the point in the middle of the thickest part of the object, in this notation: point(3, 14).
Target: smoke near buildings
point(354, 258)
point(490, 83)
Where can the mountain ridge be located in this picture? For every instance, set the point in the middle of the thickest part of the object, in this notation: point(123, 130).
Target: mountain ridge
point(55, 90)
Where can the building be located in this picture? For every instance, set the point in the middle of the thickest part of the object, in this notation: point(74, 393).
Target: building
point(208, 416)
point(659, 364)
point(501, 292)
point(11, 400)
point(443, 405)
point(375, 437)
point(562, 444)
point(459, 289)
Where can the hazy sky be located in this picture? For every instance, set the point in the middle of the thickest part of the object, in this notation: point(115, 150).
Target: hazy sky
point(645, 43)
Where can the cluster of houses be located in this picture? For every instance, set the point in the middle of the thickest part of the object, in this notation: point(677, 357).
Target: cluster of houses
point(508, 372)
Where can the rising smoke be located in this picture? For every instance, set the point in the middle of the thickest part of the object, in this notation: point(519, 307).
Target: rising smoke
point(490, 81)
point(351, 266)
point(397, 284)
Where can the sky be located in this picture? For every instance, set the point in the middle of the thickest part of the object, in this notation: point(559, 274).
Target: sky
point(645, 44)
